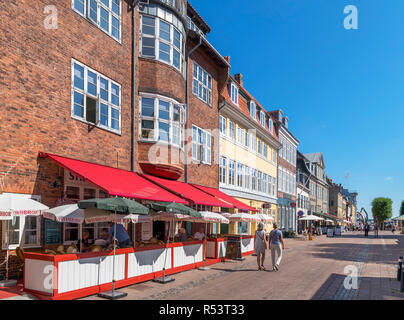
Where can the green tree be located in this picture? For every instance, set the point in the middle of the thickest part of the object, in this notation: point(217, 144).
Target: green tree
point(382, 209)
point(402, 208)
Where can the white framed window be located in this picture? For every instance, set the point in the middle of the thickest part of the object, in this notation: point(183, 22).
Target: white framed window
point(222, 170)
point(247, 139)
point(265, 151)
point(240, 175)
point(254, 182)
point(234, 93)
point(247, 177)
point(232, 130)
point(201, 145)
point(95, 99)
point(274, 156)
point(259, 146)
point(105, 14)
point(274, 189)
point(240, 135)
point(202, 84)
point(270, 124)
point(253, 143)
point(22, 231)
point(262, 118)
point(161, 119)
point(162, 38)
point(232, 172)
point(222, 125)
point(253, 109)
point(259, 181)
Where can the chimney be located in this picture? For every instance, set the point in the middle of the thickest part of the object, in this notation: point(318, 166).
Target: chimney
point(239, 79)
point(227, 58)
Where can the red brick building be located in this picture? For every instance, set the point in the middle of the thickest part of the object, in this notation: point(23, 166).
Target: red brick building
point(74, 83)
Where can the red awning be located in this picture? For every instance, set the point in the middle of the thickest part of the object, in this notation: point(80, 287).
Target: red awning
point(189, 192)
point(225, 197)
point(116, 182)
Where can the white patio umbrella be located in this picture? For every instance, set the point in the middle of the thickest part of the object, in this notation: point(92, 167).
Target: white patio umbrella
point(244, 217)
point(265, 218)
point(17, 206)
point(311, 218)
point(209, 217)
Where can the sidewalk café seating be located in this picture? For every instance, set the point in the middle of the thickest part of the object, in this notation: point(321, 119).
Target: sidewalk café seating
point(61, 249)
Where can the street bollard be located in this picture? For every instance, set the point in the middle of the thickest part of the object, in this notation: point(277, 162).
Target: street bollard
point(399, 269)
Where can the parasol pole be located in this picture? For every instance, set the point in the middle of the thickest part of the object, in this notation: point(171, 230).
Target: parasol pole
point(204, 258)
point(113, 262)
point(163, 279)
point(8, 245)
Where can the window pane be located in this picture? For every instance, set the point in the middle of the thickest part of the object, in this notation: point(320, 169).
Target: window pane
point(104, 114)
point(147, 129)
point(148, 107)
point(104, 21)
point(164, 131)
point(148, 45)
point(176, 114)
point(78, 76)
point(164, 53)
point(164, 110)
point(114, 94)
point(177, 39)
point(114, 119)
point(78, 104)
point(104, 87)
point(89, 193)
point(13, 234)
point(115, 27)
point(176, 59)
point(91, 83)
point(93, 11)
point(106, 2)
point(148, 26)
point(79, 6)
point(73, 193)
point(115, 6)
point(165, 31)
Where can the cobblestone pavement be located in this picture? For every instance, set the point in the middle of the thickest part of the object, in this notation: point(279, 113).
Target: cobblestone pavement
point(309, 270)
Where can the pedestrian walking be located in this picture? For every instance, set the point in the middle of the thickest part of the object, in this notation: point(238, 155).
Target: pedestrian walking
point(276, 245)
point(366, 229)
point(260, 246)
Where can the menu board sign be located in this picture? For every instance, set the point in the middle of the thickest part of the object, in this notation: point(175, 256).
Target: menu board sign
point(53, 232)
point(147, 231)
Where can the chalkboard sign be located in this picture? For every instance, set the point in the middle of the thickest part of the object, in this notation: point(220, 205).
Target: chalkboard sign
point(53, 232)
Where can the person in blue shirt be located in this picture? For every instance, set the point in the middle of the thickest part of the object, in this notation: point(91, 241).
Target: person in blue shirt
point(276, 245)
point(121, 235)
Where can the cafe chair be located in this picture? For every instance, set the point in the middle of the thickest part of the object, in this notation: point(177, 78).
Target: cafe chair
point(20, 256)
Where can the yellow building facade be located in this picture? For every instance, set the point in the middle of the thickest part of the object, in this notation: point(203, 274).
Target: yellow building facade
point(248, 164)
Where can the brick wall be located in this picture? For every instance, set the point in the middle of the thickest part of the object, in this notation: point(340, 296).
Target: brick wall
point(35, 94)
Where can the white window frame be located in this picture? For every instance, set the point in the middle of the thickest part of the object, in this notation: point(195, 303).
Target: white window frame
point(204, 144)
point(232, 173)
point(262, 118)
point(199, 75)
point(223, 170)
point(232, 130)
point(240, 135)
point(247, 177)
point(253, 109)
point(96, 97)
point(222, 125)
point(234, 93)
point(240, 175)
point(156, 120)
point(111, 13)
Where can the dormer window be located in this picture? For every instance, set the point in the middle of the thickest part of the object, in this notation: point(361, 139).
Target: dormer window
point(253, 108)
point(270, 125)
point(262, 118)
point(234, 93)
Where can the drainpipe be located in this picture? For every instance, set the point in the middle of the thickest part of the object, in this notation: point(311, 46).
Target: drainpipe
point(187, 104)
point(133, 107)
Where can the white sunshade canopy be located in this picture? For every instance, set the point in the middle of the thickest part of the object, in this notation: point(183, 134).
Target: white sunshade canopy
point(73, 214)
point(311, 218)
point(244, 217)
point(265, 218)
point(169, 216)
point(208, 216)
point(328, 220)
point(16, 205)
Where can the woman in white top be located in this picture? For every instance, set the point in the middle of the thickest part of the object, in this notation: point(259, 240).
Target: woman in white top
point(260, 246)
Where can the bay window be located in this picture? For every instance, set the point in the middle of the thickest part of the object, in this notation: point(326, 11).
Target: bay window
point(202, 84)
point(162, 36)
point(95, 98)
point(161, 119)
point(105, 14)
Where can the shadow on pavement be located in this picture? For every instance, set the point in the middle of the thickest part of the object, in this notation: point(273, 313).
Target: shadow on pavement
point(234, 270)
point(368, 288)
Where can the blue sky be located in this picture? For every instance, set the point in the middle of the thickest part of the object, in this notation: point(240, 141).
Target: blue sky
point(343, 90)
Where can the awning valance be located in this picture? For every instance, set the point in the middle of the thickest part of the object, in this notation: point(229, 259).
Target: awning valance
point(189, 192)
point(225, 197)
point(116, 182)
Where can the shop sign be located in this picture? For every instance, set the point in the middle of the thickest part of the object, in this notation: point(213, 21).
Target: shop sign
point(73, 180)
